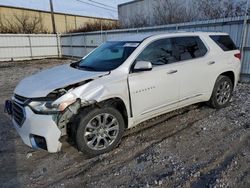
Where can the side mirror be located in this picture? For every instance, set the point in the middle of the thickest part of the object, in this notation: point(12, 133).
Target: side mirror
point(142, 66)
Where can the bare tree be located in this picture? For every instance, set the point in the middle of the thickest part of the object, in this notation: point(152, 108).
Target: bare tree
point(176, 11)
point(213, 9)
point(191, 11)
point(138, 20)
point(168, 11)
point(22, 24)
point(161, 12)
point(97, 25)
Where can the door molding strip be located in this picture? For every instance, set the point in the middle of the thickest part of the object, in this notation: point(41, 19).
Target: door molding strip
point(169, 104)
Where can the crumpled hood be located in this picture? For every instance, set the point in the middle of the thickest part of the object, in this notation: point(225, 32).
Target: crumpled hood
point(44, 82)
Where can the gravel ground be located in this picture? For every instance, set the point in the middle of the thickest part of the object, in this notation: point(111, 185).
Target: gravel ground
point(193, 147)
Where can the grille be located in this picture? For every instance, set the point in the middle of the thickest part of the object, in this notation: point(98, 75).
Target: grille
point(18, 114)
point(20, 99)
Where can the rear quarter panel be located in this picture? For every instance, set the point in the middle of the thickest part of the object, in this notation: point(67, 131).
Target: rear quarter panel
point(224, 61)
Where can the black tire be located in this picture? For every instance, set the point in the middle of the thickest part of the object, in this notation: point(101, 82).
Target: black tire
point(86, 120)
point(216, 100)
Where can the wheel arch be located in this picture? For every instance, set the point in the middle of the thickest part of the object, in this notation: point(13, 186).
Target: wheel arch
point(213, 102)
point(115, 102)
point(230, 75)
point(118, 104)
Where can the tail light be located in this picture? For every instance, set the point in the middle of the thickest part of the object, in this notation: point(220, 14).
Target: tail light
point(238, 55)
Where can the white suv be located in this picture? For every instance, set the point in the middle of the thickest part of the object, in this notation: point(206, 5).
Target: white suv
point(120, 84)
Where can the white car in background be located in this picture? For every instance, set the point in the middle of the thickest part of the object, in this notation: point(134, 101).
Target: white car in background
point(120, 84)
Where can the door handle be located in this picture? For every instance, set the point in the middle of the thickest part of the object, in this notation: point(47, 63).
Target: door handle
point(172, 71)
point(211, 62)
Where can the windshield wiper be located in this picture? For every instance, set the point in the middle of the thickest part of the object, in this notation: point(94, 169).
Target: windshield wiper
point(86, 67)
point(78, 66)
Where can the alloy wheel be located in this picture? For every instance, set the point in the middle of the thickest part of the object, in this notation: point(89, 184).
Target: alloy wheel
point(101, 131)
point(223, 93)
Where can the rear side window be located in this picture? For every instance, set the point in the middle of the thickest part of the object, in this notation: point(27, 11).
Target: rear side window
point(171, 50)
point(186, 48)
point(224, 41)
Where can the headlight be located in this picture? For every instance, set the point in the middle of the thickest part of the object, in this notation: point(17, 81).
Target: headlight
point(47, 107)
point(43, 107)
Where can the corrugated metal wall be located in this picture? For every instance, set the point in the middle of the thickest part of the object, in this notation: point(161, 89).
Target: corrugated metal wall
point(28, 46)
point(79, 44)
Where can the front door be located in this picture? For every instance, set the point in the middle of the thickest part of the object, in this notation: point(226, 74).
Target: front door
point(153, 92)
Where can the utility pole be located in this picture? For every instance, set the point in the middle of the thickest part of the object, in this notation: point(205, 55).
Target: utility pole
point(52, 16)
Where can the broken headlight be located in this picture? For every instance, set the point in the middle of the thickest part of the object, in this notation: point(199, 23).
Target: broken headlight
point(43, 107)
point(47, 107)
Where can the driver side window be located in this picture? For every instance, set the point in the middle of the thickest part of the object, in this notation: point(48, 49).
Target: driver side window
point(159, 52)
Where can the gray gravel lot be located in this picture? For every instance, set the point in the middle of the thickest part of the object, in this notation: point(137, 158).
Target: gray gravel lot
point(193, 147)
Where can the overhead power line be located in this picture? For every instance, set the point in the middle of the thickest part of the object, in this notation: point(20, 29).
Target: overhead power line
point(102, 4)
point(97, 6)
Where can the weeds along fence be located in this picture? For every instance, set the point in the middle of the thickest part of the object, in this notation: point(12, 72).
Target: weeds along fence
point(80, 44)
point(29, 46)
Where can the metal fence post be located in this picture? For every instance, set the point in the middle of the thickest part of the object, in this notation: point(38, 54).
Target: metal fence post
point(59, 46)
point(177, 27)
point(101, 36)
point(244, 29)
point(245, 65)
point(106, 35)
point(71, 45)
point(30, 46)
point(85, 45)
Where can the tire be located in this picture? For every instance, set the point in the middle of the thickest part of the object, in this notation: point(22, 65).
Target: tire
point(93, 137)
point(222, 93)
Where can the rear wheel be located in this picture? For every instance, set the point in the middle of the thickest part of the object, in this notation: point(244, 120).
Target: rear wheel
point(222, 92)
point(99, 131)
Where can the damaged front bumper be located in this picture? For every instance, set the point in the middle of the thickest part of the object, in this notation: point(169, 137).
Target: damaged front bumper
point(39, 131)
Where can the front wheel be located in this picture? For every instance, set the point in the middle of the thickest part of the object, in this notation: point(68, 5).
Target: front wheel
point(222, 92)
point(99, 130)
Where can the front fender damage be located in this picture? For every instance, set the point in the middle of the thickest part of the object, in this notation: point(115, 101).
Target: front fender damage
point(67, 116)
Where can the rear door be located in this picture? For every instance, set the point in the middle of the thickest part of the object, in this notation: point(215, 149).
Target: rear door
point(194, 67)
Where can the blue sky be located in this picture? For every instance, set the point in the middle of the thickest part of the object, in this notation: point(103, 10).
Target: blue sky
point(72, 6)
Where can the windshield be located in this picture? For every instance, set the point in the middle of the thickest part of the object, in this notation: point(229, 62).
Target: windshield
point(108, 56)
